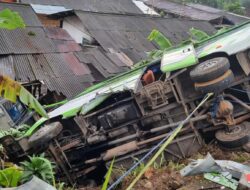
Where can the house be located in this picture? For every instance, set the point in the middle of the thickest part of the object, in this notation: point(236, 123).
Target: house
point(118, 27)
point(128, 33)
point(46, 59)
point(72, 24)
point(102, 40)
point(195, 11)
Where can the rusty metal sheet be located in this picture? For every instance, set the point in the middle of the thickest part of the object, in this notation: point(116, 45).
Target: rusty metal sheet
point(75, 65)
point(37, 53)
point(40, 66)
point(25, 11)
point(57, 33)
point(28, 68)
point(7, 67)
point(58, 65)
point(66, 46)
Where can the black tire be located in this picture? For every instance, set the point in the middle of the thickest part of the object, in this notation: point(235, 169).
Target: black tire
point(238, 137)
point(210, 69)
point(45, 134)
point(246, 147)
point(216, 85)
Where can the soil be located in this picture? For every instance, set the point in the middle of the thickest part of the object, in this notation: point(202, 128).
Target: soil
point(169, 178)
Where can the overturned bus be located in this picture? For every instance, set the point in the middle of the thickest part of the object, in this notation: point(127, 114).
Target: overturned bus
point(124, 116)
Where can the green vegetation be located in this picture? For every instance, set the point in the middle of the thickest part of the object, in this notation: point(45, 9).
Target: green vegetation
point(40, 167)
point(108, 175)
point(16, 133)
point(13, 176)
point(10, 177)
point(235, 7)
point(198, 35)
point(175, 166)
point(160, 39)
point(10, 20)
point(195, 36)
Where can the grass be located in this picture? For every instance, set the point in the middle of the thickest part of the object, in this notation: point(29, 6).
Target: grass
point(175, 166)
point(108, 176)
point(240, 157)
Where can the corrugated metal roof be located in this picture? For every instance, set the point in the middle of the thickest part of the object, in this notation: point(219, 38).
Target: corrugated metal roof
point(57, 33)
point(182, 10)
point(40, 67)
point(24, 71)
point(101, 61)
point(25, 11)
point(75, 65)
point(34, 40)
point(62, 40)
point(66, 46)
point(58, 65)
point(60, 72)
point(129, 33)
point(7, 67)
point(234, 18)
point(25, 41)
point(205, 8)
point(45, 54)
point(196, 11)
point(67, 85)
point(45, 67)
point(4, 47)
point(104, 6)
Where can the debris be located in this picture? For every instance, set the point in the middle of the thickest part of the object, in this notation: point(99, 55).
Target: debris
point(236, 169)
point(33, 185)
point(209, 165)
point(200, 166)
point(224, 178)
point(244, 182)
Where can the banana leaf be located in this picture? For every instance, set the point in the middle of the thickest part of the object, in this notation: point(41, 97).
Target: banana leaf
point(10, 20)
point(10, 177)
point(162, 41)
point(12, 90)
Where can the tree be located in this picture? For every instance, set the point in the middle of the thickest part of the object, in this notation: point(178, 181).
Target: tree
point(235, 8)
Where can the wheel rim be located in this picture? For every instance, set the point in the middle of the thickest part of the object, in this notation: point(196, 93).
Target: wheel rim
point(237, 133)
point(207, 65)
